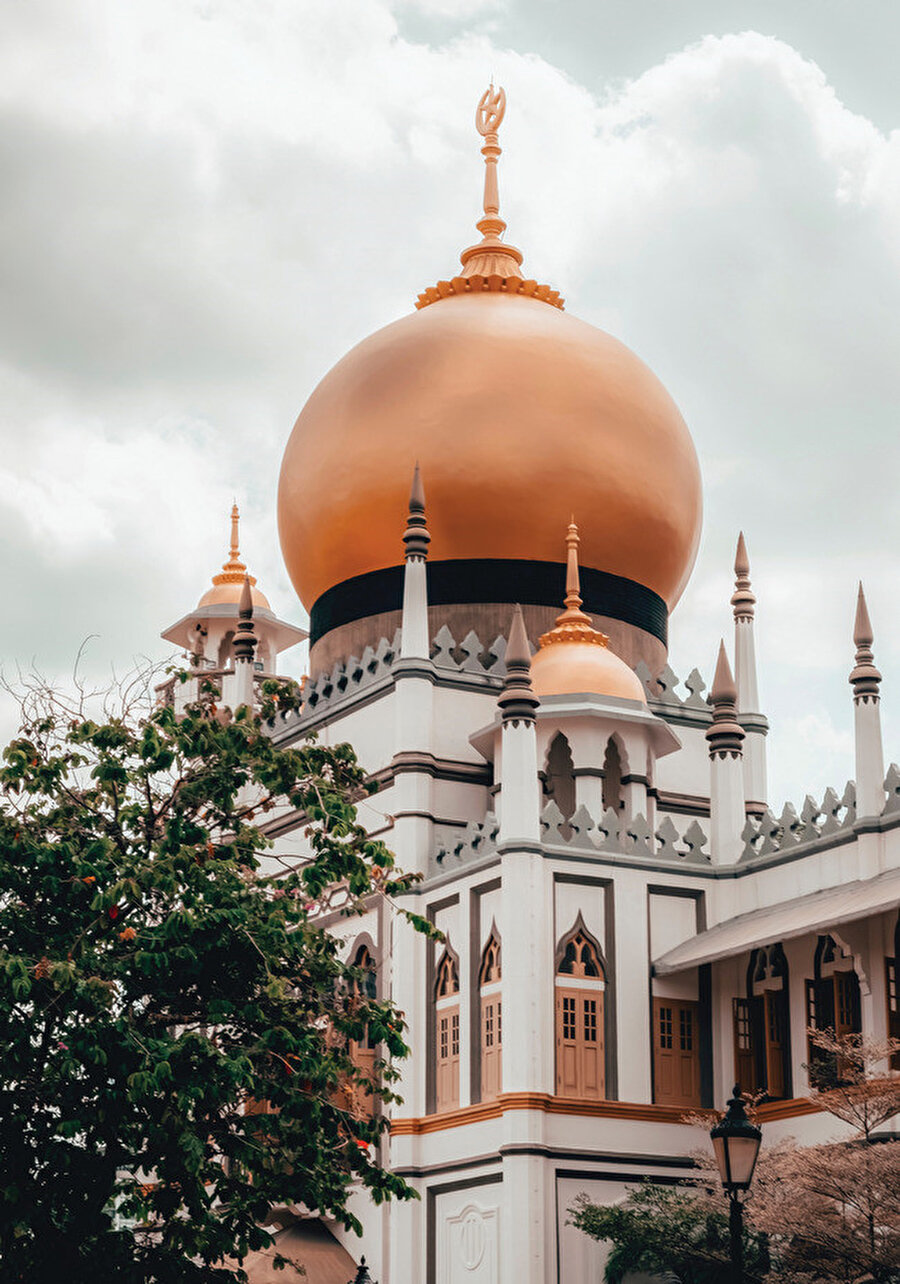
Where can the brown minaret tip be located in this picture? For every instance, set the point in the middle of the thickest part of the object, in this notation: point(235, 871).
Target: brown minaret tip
point(725, 734)
point(862, 628)
point(416, 537)
point(865, 678)
point(742, 599)
point(517, 700)
point(244, 643)
point(724, 689)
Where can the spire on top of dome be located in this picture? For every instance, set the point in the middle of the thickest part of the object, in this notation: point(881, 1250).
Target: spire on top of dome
point(234, 570)
point(227, 583)
point(491, 256)
point(573, 625)
point(574, 656)
point(491, 264)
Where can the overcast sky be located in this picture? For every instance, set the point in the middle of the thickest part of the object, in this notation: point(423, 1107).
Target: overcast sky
point(204, 203)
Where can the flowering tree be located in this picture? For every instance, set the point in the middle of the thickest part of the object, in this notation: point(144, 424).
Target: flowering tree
point(833, 1211)
point(154, 980)
point(826, 1214)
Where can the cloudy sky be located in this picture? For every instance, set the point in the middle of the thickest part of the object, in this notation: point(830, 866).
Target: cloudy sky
point(204, 203)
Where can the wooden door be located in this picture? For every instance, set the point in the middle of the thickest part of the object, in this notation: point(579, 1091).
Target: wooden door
point(447, 1058)
point(363, 1057)
point(491, 1046)
point(676, 1052)
point(580, 1051)
point(744, 1062)
point(776, 1042)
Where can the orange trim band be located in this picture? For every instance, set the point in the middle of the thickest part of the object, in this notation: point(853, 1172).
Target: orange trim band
point(645, 1113)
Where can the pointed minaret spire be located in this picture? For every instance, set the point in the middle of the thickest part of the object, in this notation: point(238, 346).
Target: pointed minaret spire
point(416, 537)
point(725, 737)
point(742, 599)
point(415, 639)
point(744, 602)
point(866, 682)
point(725, 734)
point(865, 678)
point(244, 643)
point(517, 700)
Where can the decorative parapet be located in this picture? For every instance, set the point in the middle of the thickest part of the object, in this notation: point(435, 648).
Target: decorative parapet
point(663, 697)
point(477, 839)
point(614, 834)
point(765, 835)
point(892, 788)
point(470, 655)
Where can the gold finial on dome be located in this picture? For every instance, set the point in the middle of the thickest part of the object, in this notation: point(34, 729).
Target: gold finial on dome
point(234, 570)
point(574, 656)
point(491, 264)
point(227, 584)
point(491, 256)
point(573, 625)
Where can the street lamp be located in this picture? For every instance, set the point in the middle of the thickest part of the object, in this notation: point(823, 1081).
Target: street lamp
point(362, 1276)
point(736, 1145)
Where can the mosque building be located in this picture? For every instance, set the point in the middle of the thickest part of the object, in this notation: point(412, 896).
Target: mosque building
point(489, 509)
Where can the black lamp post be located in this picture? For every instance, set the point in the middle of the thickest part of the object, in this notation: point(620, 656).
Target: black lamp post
point(736, 1145)
point(362, 1275)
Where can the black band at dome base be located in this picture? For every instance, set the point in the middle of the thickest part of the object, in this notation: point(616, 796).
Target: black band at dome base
point(481, 580)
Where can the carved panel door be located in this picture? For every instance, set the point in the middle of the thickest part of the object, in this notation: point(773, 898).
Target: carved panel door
point(580, 1052)
point(676, 1052)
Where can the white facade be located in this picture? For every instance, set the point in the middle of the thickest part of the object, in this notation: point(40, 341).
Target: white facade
point(507, 843)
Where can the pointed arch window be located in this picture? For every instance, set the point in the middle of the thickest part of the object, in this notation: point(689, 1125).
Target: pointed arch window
point(612, 776)
point(580, 1017)
point(762, 1046)
point(892, 991)
point(832, 1003)
point(362, 1051)
point(446, 997)
point(491, 1019)
point(559, 777)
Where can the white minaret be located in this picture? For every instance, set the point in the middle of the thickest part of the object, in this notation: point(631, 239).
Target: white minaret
point(415, 642)
point(526, 948)
point(865, 680)
point(752, 720)
point(726, 794)
point(412, 838)
point(243, 648)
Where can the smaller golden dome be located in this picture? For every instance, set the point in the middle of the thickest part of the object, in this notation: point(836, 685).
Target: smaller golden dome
point(575, 657)
point(229, 583)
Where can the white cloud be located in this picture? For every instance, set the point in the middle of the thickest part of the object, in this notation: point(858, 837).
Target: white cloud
point(205, 205)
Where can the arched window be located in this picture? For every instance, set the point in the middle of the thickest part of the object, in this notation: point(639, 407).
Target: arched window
point(612, 776)
point(362, 1052)
point(559, 777)
point(762, 1047)
point(446, 995)
point(580, 1027)
point(892, 986)
point(832, 1003)
point(491, 1019)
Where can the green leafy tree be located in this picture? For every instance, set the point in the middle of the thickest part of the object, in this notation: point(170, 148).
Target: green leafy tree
point(155, 980)
point(678, 1232)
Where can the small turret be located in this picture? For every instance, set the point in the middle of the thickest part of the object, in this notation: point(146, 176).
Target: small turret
point(743, 602)
point(725, 737)
point(517, 700)
point(415, 642)
point(866, 682)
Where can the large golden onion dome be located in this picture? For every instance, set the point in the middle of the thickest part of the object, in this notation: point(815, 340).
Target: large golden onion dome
point(518, 414)
point(574, 657)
